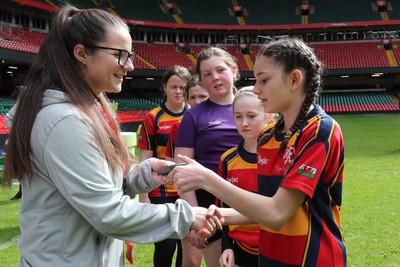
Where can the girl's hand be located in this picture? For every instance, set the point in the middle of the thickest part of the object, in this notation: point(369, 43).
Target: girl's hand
point(227, 258)
point(196, 241)
point(206, 222)
point(189, 177)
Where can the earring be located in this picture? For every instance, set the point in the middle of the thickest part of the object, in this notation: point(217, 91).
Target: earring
point(84, 62)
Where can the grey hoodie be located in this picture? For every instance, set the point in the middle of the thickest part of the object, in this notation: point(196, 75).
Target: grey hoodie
point(74, 213)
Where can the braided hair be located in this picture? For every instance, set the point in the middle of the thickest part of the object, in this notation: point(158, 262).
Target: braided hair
point(291, 54)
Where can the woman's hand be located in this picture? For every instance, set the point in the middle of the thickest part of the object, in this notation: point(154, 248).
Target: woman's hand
point(156, 165)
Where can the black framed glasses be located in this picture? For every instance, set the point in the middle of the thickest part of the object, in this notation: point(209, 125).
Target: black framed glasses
point(123, 55)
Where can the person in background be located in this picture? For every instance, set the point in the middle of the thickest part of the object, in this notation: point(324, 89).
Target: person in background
point(208, 130)
point(238, 165)
point(195, 94)
point(300, 162)
point(8, 119)
point(67, 151)
point(153, 139)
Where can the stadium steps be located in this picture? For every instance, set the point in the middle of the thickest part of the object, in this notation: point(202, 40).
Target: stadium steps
point(249, 62)
point(177, 19)
point(384, 16)
point(192, 58)
point(391, 58)
point(304, 19)
point(109, 7)
point(146, 62)
point(241, 21)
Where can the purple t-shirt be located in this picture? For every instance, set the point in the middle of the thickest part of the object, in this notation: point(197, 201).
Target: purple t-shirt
point(210, 130)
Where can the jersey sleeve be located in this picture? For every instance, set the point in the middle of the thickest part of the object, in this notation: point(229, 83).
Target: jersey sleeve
point(317, 158)
point(147, 133)
point(170, 149)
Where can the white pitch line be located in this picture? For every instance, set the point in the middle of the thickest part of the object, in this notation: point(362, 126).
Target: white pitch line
point(9, 243)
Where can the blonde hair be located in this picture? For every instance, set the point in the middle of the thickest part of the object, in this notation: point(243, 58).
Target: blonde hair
point(248, 91)
point(245, 91)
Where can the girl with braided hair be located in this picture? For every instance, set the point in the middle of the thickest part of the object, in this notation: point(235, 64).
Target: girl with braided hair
point(300, 162)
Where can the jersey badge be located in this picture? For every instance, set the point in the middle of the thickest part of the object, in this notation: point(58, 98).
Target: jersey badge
point(307, 171)
point(288, 156)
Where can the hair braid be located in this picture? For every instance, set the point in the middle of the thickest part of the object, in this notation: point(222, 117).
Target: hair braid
point(266, 137)
point(293, 54)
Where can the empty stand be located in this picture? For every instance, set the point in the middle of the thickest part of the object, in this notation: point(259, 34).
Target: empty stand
point(327, 11)
point(396, 50)
point(351, 55)
point(163, 56)
point(281, 12)
point(133, 109)
point(148, 10)
point(367, 101)
point(22, 39)
point(206, 12)
point(254, 49)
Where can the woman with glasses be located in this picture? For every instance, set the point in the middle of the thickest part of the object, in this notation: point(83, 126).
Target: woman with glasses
point(69, 156)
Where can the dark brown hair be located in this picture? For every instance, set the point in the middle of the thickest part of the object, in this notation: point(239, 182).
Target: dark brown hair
point(194, 81)
point(176, 70)
point(56, 67)
point(291, 54)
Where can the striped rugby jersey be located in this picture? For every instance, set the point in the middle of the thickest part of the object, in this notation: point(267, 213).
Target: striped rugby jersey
point(154, 135)
point(239, 167)
point(313, 163)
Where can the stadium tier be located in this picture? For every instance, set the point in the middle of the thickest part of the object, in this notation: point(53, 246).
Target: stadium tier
point(271, 12)
point(149, 10)
point(352, 55)
point(205, 12)
point(254, 12)
point(158, 45)
point(335, 55)
point(355, 101)
point(130, 109)
point(343, 10)
point(161, 56)
point(21, 39)
point(133, 109)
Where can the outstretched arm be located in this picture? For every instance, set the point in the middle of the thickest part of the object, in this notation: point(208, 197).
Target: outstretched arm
point(272, 212)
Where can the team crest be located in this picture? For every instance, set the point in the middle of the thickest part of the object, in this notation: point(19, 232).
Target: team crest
point(307, 171)
point(288, 156)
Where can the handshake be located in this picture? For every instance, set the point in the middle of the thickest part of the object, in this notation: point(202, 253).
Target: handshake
point(207, 221)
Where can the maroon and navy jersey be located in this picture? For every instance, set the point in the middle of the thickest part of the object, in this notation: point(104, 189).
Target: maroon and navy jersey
point(239, 167)
point(313, 163)
point(154, 135)
point(170, 149)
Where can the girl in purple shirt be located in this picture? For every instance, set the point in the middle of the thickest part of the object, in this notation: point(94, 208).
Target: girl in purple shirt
point(207, 131)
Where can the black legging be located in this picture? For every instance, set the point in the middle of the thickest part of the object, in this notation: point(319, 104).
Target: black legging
point(164, 250)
